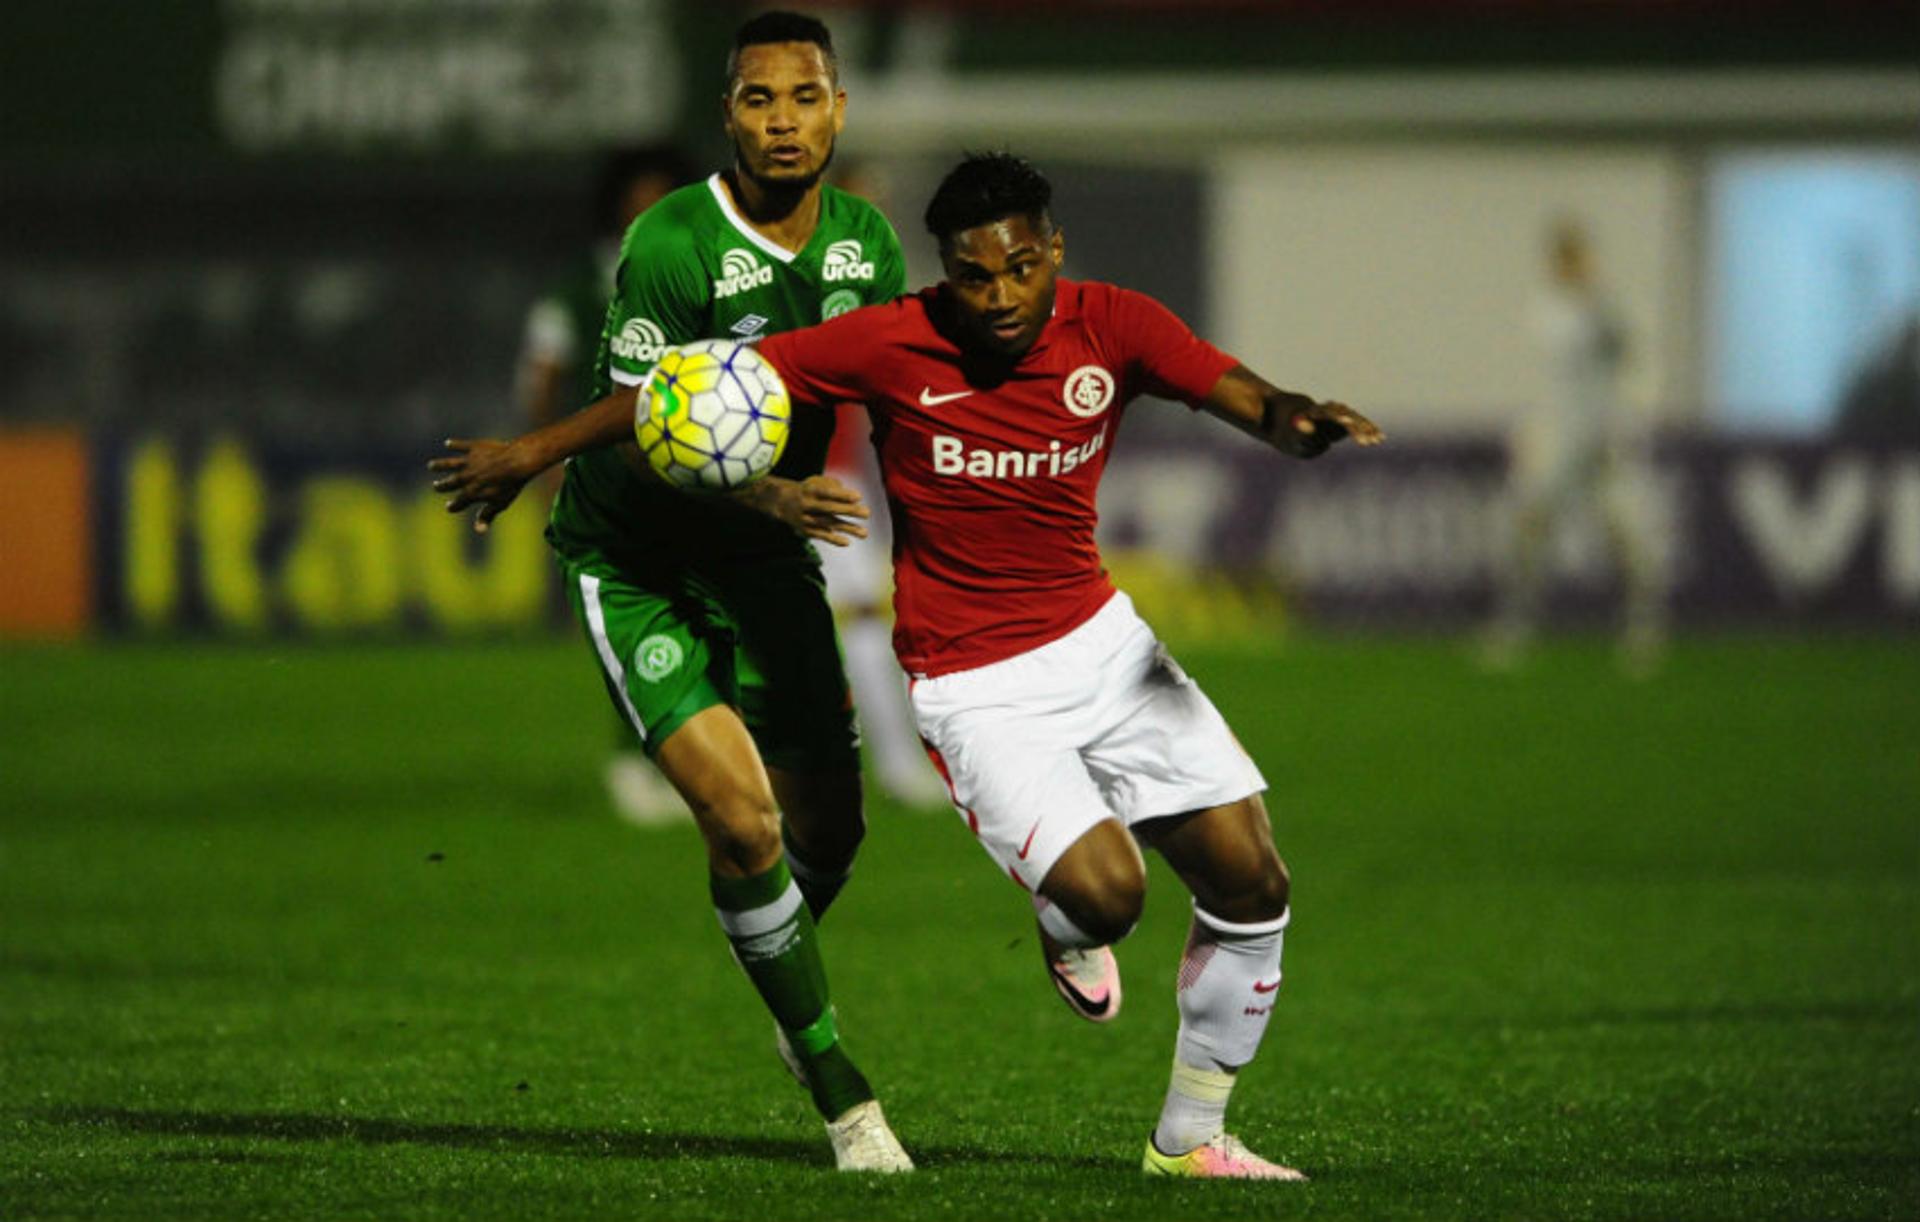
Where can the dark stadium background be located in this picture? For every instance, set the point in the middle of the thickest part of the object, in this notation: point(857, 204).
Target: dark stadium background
point(310, 904)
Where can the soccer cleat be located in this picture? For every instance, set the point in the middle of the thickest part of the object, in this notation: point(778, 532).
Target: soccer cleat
point(1089, 980)
point(1223, 1158)
point(863, 1142)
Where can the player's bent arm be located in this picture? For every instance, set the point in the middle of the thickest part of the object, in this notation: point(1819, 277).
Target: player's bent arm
point(1292, 423)
point(490, 474)
point(819, 507)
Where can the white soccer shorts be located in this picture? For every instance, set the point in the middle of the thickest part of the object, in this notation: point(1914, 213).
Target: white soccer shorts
point(1099, 724)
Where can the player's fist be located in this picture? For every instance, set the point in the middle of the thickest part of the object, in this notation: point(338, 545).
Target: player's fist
point(1315, 428)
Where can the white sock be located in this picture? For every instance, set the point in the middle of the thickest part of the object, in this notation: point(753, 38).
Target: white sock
point(817, 886)
point(1228, 978)
point(1195, 1111)
point(1060, 926)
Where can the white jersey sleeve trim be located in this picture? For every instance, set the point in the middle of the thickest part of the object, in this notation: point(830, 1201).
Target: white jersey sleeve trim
point(747, 231)
point(623, 378)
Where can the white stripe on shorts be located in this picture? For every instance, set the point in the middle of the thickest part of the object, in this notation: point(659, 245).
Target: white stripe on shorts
point(597, 625)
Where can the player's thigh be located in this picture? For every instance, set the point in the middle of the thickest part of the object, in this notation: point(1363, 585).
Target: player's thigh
point(1226, 857)
point(1015, 772)
point(793, 688)
point(655, 648)
point(1159, 746)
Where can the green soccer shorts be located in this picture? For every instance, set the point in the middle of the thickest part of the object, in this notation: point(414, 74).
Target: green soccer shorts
point(756, 636)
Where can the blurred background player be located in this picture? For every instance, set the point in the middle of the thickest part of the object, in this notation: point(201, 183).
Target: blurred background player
point(1578, 453)
point(556, 376)
point(707, 614)
point(860, 586)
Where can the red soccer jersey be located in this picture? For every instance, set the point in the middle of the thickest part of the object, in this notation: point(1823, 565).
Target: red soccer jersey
point(992, 485)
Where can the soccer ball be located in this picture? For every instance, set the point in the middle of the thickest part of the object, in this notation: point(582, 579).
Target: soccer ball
point(712, 414)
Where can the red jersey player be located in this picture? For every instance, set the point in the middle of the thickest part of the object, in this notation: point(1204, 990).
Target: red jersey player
point(1066, 732)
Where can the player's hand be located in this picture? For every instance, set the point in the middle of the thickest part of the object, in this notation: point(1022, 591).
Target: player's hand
point(819, 507)
point(485, 473)
point(1313, 430)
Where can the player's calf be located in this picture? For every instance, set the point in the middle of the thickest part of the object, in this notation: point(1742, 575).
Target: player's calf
point(1228, 984)
point(1085, 974)
point(1090, 899)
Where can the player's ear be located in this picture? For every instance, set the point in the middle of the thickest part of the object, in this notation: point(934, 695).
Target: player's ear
point(839, 111)
point(1057, 247)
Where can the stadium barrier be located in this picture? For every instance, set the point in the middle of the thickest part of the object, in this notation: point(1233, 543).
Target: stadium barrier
point(1216, 538)
point(227, 537)
point(1748, 532)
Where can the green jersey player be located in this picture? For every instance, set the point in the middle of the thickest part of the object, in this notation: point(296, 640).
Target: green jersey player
point(707, 613)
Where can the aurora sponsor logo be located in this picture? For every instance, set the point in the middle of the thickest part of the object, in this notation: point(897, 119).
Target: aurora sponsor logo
point(641, 339)
point(843, 262)
point(953, 456)
point(740, 271)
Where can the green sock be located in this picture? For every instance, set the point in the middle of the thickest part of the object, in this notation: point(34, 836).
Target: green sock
point(773, 937)
point(817, 886)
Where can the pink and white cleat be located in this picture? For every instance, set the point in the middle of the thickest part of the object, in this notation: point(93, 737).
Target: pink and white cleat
point(1223, 1158)
point(1089, 980)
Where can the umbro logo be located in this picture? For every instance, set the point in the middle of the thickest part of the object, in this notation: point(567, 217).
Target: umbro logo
point(747, 327)
point(929, 399)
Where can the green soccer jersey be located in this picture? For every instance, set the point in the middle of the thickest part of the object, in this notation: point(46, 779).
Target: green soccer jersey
point(692, 268)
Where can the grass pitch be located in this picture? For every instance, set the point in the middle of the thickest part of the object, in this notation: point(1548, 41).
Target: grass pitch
point(348, 933)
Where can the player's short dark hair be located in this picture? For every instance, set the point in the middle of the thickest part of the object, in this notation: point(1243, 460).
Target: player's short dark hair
point(781, 26)
point(988, 187)
point(621, 166)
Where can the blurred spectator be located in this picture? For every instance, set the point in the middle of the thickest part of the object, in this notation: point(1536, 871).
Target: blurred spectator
point(563, 327)
point(1883, 399)
point(556, 377)
point(1578, 453)
point(859, 585)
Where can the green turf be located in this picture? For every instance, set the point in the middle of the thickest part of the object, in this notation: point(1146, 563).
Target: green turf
point(347, 933)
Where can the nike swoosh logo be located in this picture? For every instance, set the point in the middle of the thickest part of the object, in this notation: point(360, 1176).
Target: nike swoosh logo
point(1086, 1005)
point(1022, 854)
point(929, 399)
point(1265, 988)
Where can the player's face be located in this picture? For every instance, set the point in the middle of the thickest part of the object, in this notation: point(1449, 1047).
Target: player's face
point(783, 113)
point(1001, 276)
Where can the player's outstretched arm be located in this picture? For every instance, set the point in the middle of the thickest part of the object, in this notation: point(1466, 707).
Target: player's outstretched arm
point(1291, 423)
point(490, 473)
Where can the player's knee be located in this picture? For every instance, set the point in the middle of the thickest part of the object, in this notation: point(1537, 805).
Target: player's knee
point(1108, 901)
point(741, 831)
point(830, 840)
point(1258, 894)
point(824, 815)
point(1271, 891)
